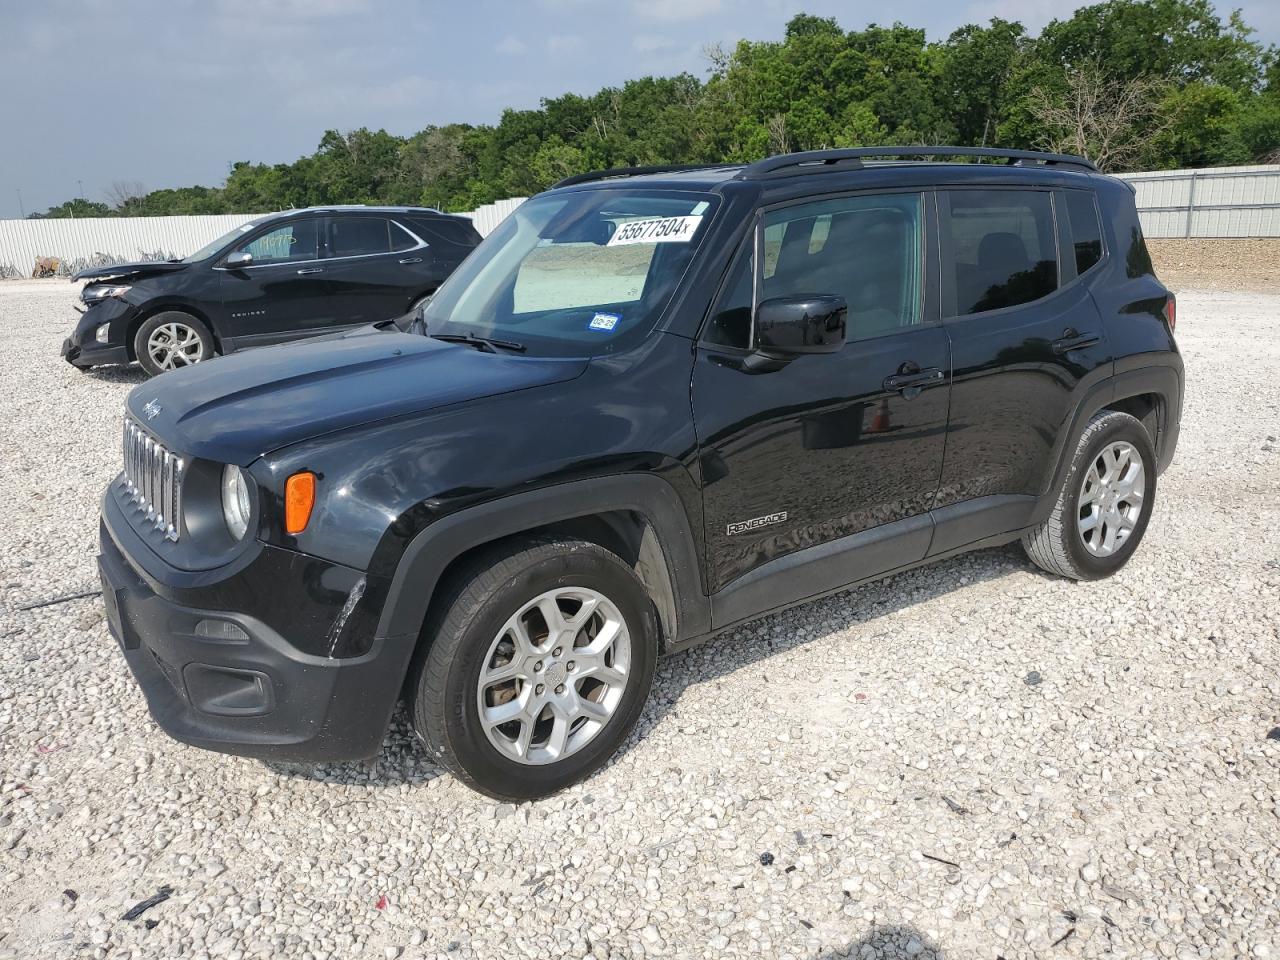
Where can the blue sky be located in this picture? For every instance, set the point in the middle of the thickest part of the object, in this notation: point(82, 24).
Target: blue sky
point(169, 94)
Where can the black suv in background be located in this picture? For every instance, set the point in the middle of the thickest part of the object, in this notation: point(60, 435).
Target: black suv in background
point(283, 277)
point(652, 405)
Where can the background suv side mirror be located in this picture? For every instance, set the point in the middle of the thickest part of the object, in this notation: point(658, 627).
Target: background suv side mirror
point(790, 326)
point(242, 259)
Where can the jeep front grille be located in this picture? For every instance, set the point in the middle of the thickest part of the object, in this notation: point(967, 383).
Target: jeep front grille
point(153, 479)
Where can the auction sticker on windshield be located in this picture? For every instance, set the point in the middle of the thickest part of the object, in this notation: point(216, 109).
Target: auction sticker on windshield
point(656, 230)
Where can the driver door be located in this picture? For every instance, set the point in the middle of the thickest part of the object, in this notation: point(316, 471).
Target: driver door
point(834, 457)
point(282, 294)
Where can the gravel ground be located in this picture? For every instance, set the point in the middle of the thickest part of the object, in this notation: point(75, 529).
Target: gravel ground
point(1218, 263)
point(969, 760)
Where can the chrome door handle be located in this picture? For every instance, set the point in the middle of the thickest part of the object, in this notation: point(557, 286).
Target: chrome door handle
point(913, 378)
point(311, 270)
point(411, 260)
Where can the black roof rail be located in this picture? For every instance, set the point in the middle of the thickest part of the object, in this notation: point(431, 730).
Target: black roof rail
point(591, 175)
point(794, 164)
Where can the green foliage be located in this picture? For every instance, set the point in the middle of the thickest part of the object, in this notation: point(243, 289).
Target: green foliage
point(73, 209)
point(1204, 128)
point(1216, 90)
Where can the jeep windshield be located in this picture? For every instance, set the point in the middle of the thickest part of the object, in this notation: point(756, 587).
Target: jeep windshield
point(574, 274)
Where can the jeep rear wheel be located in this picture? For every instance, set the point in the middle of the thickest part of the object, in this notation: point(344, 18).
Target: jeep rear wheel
point(537, 668)
point(1104, 504)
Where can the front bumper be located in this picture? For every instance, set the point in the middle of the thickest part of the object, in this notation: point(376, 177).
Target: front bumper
point(81, 349)
point(92, 354)
point(225, 680)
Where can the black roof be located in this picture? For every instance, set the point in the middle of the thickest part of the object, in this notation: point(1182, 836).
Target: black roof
point(365, 208)
point(822, 161)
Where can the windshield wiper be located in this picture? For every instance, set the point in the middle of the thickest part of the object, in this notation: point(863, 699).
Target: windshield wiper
point(486, 344)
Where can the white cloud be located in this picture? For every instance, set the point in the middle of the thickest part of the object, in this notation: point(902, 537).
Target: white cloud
point(676, 9)
point(651, 43)
point(353, 97)
point(563, 42)
point(257, 10)
point(511, 46)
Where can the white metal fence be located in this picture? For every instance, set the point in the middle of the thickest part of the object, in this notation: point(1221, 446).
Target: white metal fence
point(1213, 202)
point(103, 240)
point(486, 218)
point(98, 241)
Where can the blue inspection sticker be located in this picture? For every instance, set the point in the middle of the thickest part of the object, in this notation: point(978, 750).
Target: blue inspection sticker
point(604, 321)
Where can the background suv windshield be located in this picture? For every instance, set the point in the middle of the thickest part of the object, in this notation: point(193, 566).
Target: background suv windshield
point(577, 273)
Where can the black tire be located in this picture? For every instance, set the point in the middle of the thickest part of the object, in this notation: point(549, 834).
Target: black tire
point(1057, 545)
point(178, 321)
point(476, 605)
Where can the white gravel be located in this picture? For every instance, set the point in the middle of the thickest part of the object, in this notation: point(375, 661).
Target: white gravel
point(970, 760)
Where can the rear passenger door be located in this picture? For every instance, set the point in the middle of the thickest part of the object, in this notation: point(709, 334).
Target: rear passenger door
point(829, 447)
point(1026, 343)
point(373, 266)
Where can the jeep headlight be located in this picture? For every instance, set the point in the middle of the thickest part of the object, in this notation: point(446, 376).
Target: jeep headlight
point(235, 501)
point(104, 291)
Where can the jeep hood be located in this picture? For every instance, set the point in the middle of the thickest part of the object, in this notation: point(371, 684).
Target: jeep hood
point(235, 409)
point(134, 270)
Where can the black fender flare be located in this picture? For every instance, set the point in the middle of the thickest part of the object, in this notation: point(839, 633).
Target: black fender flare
point(1162, 379)
point(429, 554)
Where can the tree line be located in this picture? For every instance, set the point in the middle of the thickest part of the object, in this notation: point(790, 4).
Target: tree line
point(1131, 84)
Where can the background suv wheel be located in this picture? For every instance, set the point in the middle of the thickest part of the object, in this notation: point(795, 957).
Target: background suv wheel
point(1104, 504)
point(541, 656)
point(170, 340)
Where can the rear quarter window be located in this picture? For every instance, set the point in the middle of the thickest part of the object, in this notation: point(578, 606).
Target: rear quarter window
point(448, 232)
point(1086, 229)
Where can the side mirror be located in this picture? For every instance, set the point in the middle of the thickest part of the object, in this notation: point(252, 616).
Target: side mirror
point(236, 260)
point(787, 327)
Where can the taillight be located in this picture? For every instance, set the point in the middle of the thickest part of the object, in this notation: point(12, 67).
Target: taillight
point(1171, 311)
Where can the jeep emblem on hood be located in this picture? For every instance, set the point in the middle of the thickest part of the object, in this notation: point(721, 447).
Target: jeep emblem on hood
point(152, 409)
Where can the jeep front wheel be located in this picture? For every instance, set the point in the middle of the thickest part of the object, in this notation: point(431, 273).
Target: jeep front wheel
point(537, 669)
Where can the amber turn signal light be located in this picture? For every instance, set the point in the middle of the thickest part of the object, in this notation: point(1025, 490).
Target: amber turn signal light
point(299, 498)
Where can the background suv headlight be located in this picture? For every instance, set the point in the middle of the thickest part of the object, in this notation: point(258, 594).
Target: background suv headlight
point(103, 291)
point(235, 501)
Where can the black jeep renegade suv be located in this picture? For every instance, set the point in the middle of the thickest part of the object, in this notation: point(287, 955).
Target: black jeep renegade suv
point(282, 277)
point(652, 405)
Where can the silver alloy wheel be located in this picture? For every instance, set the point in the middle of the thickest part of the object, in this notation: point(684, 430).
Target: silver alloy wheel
point(1111, 498)
point(173, 345)
point(554, 675)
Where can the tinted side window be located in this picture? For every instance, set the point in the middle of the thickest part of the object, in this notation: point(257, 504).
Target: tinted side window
point(283, 244)
point(401, 239)
point(867, 249)
point(730, 324)
point(1002, 243)
point(1086, 229)
point(358, 236)
point(450, 231)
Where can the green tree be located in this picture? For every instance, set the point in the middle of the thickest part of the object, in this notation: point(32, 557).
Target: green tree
point(1136, 82)
point(1204, 129)
point(977, 64)
point(73, 209)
